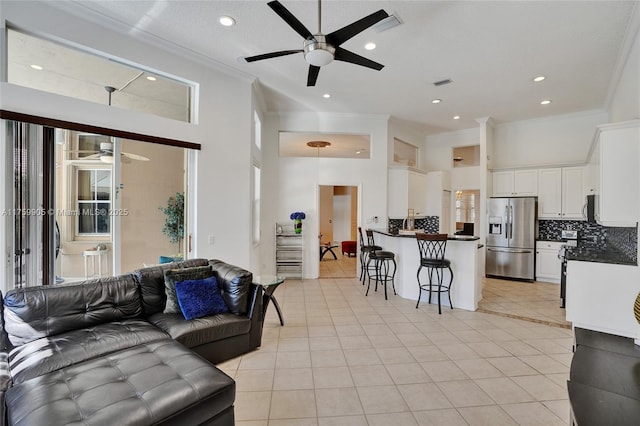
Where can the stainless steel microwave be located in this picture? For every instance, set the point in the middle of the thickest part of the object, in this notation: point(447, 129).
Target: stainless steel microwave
point(589, 210)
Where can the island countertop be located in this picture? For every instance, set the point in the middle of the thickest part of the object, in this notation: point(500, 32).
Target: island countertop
point(462, 251)
point(449, 237)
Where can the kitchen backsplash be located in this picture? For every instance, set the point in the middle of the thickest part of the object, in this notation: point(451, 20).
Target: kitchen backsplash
point(589, 231)
point(430, 224)
point(592, 234)
point(625, 240)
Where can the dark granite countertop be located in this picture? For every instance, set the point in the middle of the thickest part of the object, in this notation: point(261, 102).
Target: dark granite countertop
point(600, 255)
point(450, 237)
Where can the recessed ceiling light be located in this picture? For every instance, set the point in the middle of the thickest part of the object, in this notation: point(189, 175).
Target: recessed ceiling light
point(151, 78)
point(545, 102)
point(358, 152)
point(227, 21)
point(37, 67)
point(436, 101)
point(326, 96)
point(539, 78)
point(370, 46)
point(456, 117)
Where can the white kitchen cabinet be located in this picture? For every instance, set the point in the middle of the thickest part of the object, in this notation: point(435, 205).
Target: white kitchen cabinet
point(618, 150)
point(548, 266)
point(573, 192)
point(550, 193)
point(515, 183)
point(561, 193)
point(407, 190)
point(439, 198)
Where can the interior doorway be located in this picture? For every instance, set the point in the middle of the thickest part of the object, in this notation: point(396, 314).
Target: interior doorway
point(338, 228)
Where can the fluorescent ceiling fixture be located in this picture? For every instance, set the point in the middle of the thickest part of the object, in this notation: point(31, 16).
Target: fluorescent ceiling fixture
point(539, 78)
point(36, 67)
point(436, 101)
point(370, 46)
point(326, 95)
point(227, 21)
point(456, 117)
point(545, 102)
point(151, 78)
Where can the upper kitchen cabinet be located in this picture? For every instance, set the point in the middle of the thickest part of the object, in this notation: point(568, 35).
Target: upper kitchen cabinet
point(515, 183)
point(561, 193)
point(407, 190)
point(616, 166)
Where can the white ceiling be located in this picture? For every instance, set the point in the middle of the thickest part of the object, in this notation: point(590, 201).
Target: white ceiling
point(490, 49)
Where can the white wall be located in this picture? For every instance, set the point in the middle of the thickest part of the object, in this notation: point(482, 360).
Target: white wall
point(625, 102)
point(557, 140)
point(224, 121)
point(292, 183)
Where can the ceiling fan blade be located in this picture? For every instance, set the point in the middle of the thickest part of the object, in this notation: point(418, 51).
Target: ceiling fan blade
point(345, 55)
point(271, 55)
point(338, 37)
point(134, 156)
point(290, 19)
point(106, 159)
point(313, 75)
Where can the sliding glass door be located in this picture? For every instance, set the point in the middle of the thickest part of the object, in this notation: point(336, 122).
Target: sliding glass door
point(29, 218)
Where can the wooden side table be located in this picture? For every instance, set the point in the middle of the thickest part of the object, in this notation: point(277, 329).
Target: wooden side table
point(269, 283)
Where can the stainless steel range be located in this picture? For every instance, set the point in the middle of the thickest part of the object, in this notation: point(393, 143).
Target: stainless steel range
point(571, 240)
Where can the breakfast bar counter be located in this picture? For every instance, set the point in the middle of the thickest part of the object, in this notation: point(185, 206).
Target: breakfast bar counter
point(462, 251)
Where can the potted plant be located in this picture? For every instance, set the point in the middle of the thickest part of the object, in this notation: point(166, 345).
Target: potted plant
point(174, 220)
point(297, 221)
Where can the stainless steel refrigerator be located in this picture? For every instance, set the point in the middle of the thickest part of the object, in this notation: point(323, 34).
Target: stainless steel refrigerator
point(511, 237)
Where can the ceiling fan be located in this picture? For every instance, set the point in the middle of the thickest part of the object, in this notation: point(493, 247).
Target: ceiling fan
point(105, 154)
point(320, 49)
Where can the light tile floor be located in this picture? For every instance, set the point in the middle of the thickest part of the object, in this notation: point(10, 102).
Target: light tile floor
point(342, 267)
point(536, 301)
point(346, 359)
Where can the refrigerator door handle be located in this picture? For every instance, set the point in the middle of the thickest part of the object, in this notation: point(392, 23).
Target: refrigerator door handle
point(523, 251)
point(507, 234)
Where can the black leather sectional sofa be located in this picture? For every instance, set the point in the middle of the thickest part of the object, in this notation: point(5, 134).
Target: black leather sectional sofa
point(102, 352)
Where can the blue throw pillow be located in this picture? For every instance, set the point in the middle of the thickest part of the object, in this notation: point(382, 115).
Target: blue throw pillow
point(200, 298)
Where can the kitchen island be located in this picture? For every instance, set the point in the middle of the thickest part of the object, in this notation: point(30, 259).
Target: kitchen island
point(462, 251)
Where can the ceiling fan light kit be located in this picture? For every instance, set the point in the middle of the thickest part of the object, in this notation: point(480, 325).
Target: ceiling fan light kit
point(320, 49)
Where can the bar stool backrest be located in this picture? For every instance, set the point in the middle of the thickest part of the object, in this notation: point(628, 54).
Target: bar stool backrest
point(370, 241)
point(432, 246)
point(362, 244)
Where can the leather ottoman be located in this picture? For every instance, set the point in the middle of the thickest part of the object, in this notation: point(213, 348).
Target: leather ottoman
point(349, 248)
point(159, 382)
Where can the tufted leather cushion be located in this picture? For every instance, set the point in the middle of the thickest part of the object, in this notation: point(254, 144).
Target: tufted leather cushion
point(151, 281)
point(144, 385)
point(43, 356)
point(202, 330)
point(34, 312)
point(234, 283)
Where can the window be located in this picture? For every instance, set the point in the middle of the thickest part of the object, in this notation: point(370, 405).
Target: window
point(93, 201)
point(256, 204)
point(85, 74)
point(404, 153)
point(465, 206)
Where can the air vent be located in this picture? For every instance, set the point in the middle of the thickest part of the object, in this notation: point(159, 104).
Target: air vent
point(387, 23)
point(443, 82)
